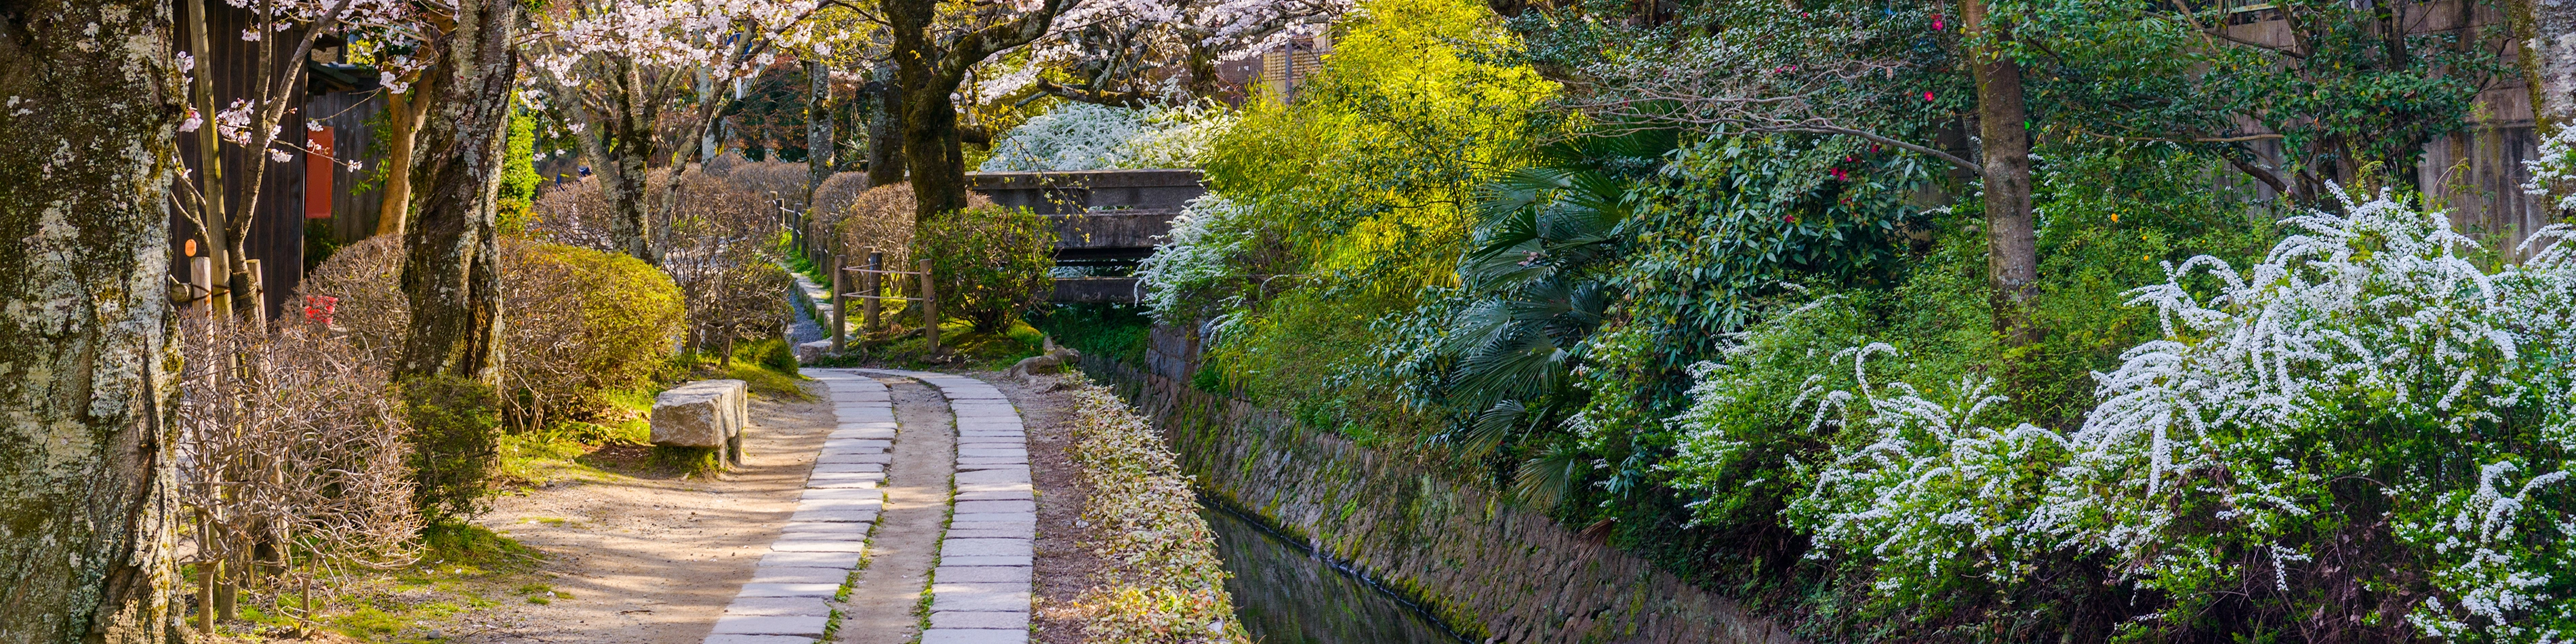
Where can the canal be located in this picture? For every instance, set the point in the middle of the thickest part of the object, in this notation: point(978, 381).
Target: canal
point(1284, 594)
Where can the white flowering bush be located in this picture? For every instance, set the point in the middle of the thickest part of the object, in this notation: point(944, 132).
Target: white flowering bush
point(1086, 136)
point(2553, 174)
point(2368, 429)
point(1199, 268)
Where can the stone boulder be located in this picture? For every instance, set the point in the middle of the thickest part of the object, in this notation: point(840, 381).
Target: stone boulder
point(809, 352)
point(707, 414)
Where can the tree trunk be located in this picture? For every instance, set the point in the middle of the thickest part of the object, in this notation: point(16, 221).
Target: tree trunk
point(620, 141)
point(451, 266)
point(818, 127)
point(2546, 32)
point(403, 116)
point(87, 147)
point(2012, 244)
point(928, 70)
point(934, 155)
point(885, 131)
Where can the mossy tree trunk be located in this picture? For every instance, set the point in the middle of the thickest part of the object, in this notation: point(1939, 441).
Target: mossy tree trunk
point(819, 152)
point(885, 129)
point(89, 104)
point(451, 267)
point(2545, 32)
point(928, 69)
point(2003, 126)
point(619, 139)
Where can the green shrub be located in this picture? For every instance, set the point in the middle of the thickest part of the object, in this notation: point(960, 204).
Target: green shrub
point(518, 194)
point(455, 429)
point(770, 352)
point(989, 263)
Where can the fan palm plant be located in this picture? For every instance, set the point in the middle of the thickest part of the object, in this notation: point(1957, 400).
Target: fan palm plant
point(1540, 277)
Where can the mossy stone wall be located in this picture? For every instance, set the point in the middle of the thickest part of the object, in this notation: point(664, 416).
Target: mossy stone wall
point(1489, 568)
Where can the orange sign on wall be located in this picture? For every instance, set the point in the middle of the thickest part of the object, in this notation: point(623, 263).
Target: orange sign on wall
point(318, 163)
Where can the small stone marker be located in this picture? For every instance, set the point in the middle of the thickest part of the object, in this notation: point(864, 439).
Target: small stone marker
point(809, 352)
point(708, 414)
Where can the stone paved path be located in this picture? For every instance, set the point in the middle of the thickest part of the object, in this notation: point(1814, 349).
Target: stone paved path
point(786, 601)
point(980, 591)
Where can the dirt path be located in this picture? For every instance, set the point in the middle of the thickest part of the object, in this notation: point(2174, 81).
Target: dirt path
point(652, 560)
point(880, 605)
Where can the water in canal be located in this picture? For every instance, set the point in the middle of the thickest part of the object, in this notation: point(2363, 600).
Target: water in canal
point(1285, 595)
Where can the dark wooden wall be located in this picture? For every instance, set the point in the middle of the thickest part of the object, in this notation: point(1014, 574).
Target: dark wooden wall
point(278, 220)
point(353, 116)
point(276, 235)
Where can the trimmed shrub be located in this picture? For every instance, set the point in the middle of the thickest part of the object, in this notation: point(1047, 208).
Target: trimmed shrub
point(759, 179)
point(838, 192)
point(718, 255)
point(989, 262)
point(455, 437)
point(880, 218)
point(580, 322)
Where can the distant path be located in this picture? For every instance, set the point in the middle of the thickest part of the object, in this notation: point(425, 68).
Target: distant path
point(812, 310)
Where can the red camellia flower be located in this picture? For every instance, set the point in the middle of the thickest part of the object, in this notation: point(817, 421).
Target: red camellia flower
point(1790, 219)
point(318, 308)
point(1927, 96)
point(1936, 22)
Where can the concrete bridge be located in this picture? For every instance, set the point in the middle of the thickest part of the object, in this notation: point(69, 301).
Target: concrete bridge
point(1102, 218)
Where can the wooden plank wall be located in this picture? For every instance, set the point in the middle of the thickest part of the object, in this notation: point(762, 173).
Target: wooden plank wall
point(276, 235)
point(353, 116)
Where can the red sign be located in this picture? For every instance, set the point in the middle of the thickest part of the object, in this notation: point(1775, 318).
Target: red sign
point(319, 160)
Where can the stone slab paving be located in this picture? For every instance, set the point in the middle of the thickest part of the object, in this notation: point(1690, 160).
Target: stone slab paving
point(785, 601)
point(980, 592)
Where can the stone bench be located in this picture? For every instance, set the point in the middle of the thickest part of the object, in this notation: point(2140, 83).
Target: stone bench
point(707, 414)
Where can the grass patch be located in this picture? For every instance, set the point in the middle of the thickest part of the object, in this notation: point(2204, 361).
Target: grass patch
point(463, 546)
point(1107, 330)
point(767, 367)
point(960, 347)
point(688, 461)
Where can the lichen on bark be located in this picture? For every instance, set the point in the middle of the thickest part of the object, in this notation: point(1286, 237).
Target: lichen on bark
point(88, 115)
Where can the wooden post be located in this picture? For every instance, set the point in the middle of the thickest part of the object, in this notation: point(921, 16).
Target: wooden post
point(876, 289)
point(929, 308)
point(201, 282)
point(258, 295)
point(839, 325)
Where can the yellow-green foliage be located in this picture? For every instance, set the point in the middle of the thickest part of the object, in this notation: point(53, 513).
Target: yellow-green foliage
point(988, 262)
point(1358, 183)
point(1166, 584)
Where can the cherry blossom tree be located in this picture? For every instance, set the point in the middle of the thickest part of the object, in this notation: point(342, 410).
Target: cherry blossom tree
point(614, 67)
point(1124, 53)
point(1110, 46)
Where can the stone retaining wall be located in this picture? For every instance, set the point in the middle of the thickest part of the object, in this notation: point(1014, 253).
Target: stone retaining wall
point(1488, 567)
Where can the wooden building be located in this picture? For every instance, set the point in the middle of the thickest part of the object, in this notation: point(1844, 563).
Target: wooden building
point(303, 193)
